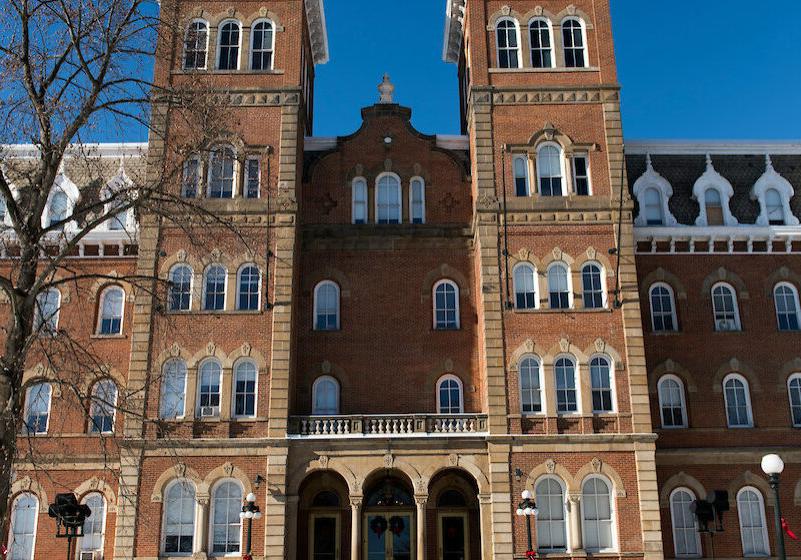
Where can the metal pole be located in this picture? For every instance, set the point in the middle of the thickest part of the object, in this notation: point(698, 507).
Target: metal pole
point(528, 530)
point(774, 483)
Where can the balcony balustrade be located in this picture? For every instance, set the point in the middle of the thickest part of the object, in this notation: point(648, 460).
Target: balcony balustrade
point(408, 425)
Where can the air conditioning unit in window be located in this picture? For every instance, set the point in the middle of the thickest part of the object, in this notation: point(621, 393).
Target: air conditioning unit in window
point(726, 325)
point(209, 411)
point(90, 555)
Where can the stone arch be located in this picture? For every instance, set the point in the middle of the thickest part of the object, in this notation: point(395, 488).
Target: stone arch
point(32, 486)
point(180, 257)
point(331, 274)
point(750, 479)
point(178, 471)
point(552, 468)
point(788, 369)
point(528, 347)
point(538, 12)
point(263, 13)
point(674, 368)
point(443, 272)
point(446, 367)
point(549, 133)
point(247, 351)
point(783, 274)
point(556, 255)
point(736, 366)
point(727, 276)
point(42, 373)
point(321, 465)
point(320, 480)
point(600, 257)
point(679, 480)
point(662, 275)
point(96, 484)
point(229, 470)
point(448, 478)
point(504, 12)
point(565, 346)
point(597, 466)
point(573, 11)
point(112, 278)
point(104, 372)
point(525, 255)
point(210, 351)
point(601, 347)
point(468, 467)
point(171, 353)
point(401, 469)
point(327, 368)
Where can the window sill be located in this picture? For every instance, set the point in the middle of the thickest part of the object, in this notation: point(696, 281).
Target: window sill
point(569, 310)
point(220, 312)
point(185, 72)
point(109, 336)
point(531, 70)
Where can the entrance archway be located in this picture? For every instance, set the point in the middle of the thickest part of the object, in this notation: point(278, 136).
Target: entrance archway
point(324, 518)
point(389, 519)
point(453, 512)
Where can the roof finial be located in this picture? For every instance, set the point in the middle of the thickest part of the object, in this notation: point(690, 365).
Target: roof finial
point(709, 162)
point(768, 163)
point(386, 89)
point(649, 166)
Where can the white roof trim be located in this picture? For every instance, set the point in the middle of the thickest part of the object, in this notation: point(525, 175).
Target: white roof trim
point(318, 33)
point(107, 150)
point(712, 147)
point(453, 142)
point(454, 30)
point(319, 143)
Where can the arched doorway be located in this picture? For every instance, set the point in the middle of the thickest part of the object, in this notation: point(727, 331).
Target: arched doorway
point(388, 530)
point(453, 511)
point(324, 518)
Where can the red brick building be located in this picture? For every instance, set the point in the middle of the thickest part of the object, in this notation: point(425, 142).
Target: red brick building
point(418, 328)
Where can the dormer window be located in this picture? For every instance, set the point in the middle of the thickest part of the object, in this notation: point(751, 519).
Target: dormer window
point(653, 193)
point(774, 207)
point(713, 192)
point(774, 192)
point(59, 206)
point(508, 45)
point(653, 208)
point(714, 207)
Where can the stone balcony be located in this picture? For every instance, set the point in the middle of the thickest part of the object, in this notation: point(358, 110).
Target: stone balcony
point(378, 426)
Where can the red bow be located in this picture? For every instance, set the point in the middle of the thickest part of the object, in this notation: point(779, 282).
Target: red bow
point(787, 530)
point(530, 555)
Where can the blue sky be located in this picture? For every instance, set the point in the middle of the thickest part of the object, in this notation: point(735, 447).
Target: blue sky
point(714, 70)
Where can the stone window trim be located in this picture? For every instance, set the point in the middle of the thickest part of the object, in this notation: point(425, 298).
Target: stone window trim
point(35, 508)
point(215, 488)
point(164, 492)
point(651, 179)
point(338, 293)
point(239, 272)
point(495, 30)
point(250, 40)
point(604, 285)
point(235, 371)
point(797, 308)
point(173, 269)
point(218, 46)
point(204, 293)
point(772, 180)
point(577, 384)
point(612, 507)
point(711, 179)
point(337, 395)
point(683, 401)
point(565, 511)
point(582, 23)
point(763, 520)
point(610, 363)
point(399, 201)
point(570, 291)
point(675, 529)
point(455, 286)
point(527, 43)
point(459, 383)
point(541, 378)
point(516, 288)
point(727, 290)
point(105, 293)
point(673, 311)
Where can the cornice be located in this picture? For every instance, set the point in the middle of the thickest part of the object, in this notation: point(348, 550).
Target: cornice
point(318, 34)
point(454, 30)
point(549, 96)
point(712, 147)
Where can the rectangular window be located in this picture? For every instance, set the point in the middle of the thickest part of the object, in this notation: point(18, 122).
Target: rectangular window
point(252, 178)
point(191, 181)
point(581, 175)
point(521, 176)
point(418, 203)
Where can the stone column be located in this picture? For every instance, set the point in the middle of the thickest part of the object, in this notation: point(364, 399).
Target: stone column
point(485, 515)
point(291, 526)
point(355, 527)
point(201, 546)
point(421, 526)
point(574, 505)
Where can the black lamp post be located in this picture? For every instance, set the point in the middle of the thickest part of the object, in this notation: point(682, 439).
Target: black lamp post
point(773, 466)
point(250, 511)
point(70, 517)
point(528, 509)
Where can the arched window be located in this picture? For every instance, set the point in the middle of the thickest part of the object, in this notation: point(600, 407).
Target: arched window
point(738, 402)
point(388, 200)
point(540, 34)
point(558, 286)
point(112, 304)
point(24, 517)
point(714, 207)
point(601, 380)
point(593, 286)
point(248, 288)
point(663, 308)
point(245, 383)
point(566, 393)
point(724, 308)
point(196, 45)
point(508, 44)
point(449, 395)
point(597, 518)
point(520, 165)
point(222, 172)
point(94, 528)
point(214, 288)
point(48, 305)
point(179, 518)
point(181, 288)
point(774, 208)
point(654, 215)
point(525, 280)
point(325, 397)
point(190, 185)
point(226, 525)
point(794, 390)
point(326, 306)
point(551, 519)
point(581, 174)
point(753, 528)
point(173, 390)
point(550, 170)
point(672, 406)
point(58, 211)
point(686, 538)
point(785, 298)
point(446, 306)
point(228, 46)
point(417, 201)
point(209, 389)
point(37, 408)
point(530, 385)
point(573, 42)
point(262, 45)
point(103, 407)
point(359, 204)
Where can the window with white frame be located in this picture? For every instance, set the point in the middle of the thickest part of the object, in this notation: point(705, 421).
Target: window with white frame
point(573, 43)
point(262, 45)
point(581, 175)
point(179, 519)
point(597, 519)
point(449, 395)
point(191, 180)
point(325, 396)
point(774, 207)
point(446, 306)
point(601, 382)
point(112, 304)
point(550, 170)
point(794, 392)
point(228, 45)
point(37, 408)
point(180, 288)
point(530, 385)
point(672, 406)
point(508, 44)
point(549, 495)
point(753, 528)
point(592, 286)
point(252, 177)
point(196, 45)
point(103, 407)
point(520, 167)
point(359, 201)
point(714, 207)
point(58, 210)
point(558, 286)
point(248, 288)
point(48, 305)
point(738, 402)
point(686, 538)
point(326, 306)
point(566, 393)
point(663, 308)
point(540, 37)
point(245, 382)
point(94, 528)
point(214, 288)
point(222, 172)
point(209, 389)
point(226, 525)
point(724, 308)
point(388, 200)
point(22, 534)
point(653, 207)
point(785, 298)
point(173, 390)
point(417, 201)
point(525, 283)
